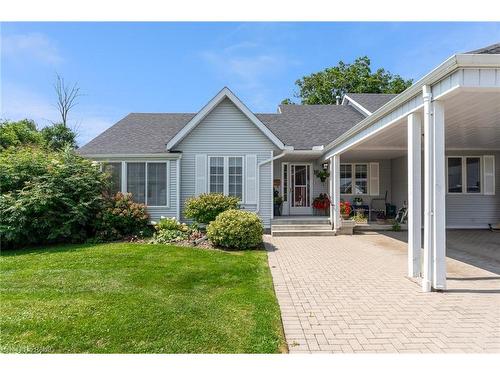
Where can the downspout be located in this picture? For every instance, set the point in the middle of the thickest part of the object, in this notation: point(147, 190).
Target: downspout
point(258, 175)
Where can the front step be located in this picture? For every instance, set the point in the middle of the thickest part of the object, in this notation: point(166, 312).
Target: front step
point(301, 221)
point(279, 227)
point(302, 233)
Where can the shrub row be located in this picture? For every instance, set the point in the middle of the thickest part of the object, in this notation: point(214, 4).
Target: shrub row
point(57, 196)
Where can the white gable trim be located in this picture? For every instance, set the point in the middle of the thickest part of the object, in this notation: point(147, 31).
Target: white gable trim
point(356, 105)
point(224, 93)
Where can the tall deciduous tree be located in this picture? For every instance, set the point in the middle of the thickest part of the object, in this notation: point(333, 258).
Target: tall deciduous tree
point(323, 87)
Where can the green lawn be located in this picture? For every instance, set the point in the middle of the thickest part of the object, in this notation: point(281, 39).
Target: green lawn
point(137, 298)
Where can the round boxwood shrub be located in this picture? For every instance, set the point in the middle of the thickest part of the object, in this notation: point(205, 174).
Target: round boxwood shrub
point(236, 229)
point(205, 208)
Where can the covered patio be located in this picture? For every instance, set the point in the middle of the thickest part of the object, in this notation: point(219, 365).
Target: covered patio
point(441, 139)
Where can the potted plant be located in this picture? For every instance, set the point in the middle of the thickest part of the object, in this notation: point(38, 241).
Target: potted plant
point(358, 201)
point(345, 209)
point(278, 201)
point(321, 202)
point(322, 174)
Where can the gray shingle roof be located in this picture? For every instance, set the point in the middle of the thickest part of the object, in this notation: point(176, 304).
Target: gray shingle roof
point(489, 50)
point(138, 133)
point(300, 126)
point(305, 126)
point(371, 102)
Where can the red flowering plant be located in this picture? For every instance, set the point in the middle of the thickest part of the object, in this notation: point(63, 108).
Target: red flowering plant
point(345, 209)
point(321, 202)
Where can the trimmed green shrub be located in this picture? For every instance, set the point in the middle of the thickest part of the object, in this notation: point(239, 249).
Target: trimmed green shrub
point(205, 208)
point(47, 196)
point(121, 217)
point(236, 229)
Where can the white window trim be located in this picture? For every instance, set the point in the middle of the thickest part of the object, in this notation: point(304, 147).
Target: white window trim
point(464, 174)
point(226, 174)
point(125, 179)
point(353, 178)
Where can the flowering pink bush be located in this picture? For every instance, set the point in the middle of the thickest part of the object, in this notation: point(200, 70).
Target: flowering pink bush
point(121, 217)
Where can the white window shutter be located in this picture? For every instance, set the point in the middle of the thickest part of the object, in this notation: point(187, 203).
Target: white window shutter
point(251, 179)
point(374, 179)
point(489, 174)
point(200, 172)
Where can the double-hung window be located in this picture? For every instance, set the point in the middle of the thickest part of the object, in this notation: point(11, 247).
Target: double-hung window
point(147, 182)
point(361, 179)
point(464, 174)
point(354, 179)
point(345, 178)
point(217, 174)
point(226, 175)
point(236, 177)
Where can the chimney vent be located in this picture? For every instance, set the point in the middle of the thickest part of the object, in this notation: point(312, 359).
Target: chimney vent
point(337, 99)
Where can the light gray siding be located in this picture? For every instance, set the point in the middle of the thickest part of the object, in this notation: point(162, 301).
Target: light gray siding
point(399, 181)
point(226, 131)
point(462, 210)
point(474, 210)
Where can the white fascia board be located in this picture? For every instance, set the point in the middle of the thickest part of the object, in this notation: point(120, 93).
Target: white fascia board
point(224, 93)
point(167, 155)
point(443, 69)
point(448, 66)
point(356, 105)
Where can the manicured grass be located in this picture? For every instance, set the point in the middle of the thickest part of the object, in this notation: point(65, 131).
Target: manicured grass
point(137, 298)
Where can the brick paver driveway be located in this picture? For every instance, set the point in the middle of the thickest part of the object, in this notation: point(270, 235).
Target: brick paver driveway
point(351, 294)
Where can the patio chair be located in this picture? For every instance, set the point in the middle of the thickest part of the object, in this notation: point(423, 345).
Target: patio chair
point(378, 205)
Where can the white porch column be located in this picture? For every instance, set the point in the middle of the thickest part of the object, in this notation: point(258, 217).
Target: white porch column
point(428, 189)
point(414, 194)
point(335, 191)
point(439, 199)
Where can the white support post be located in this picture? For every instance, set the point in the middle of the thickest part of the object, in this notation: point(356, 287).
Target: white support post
point(331, 192)
point(414, 194)
point(428, 190)
point(335, 176)
point(439, 199)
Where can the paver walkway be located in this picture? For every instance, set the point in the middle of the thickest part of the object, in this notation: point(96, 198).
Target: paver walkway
point(350, 294)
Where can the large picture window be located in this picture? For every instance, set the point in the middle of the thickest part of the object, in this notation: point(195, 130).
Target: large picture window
point(464, 174)
point(147, 182)
point(157, 184)
point(115, 172)
point(136, 181)
point(226, 175)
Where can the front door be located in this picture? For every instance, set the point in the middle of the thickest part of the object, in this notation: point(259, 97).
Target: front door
point(300, 189)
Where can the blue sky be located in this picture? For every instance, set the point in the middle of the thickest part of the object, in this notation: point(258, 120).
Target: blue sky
point(178, 67)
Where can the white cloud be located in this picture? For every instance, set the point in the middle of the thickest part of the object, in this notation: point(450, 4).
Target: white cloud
point(246, 66)
point(19, 103)
point(31, 46)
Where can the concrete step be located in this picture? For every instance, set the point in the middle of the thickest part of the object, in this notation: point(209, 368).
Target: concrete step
point(299, 221)
point(301, 227)
point(302, 233)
